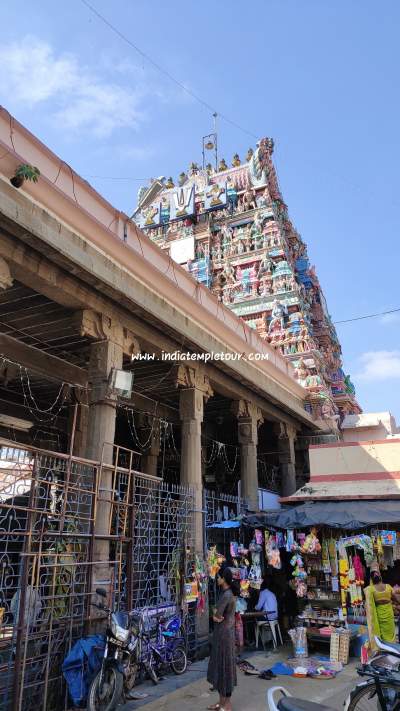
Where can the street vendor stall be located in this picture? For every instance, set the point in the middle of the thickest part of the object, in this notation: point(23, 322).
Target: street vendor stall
point(336, 546)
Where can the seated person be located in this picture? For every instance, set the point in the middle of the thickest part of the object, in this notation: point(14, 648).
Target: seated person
point(267, 601)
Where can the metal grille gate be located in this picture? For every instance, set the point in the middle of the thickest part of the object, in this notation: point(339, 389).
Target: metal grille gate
point(48, 506)
point(47, 509)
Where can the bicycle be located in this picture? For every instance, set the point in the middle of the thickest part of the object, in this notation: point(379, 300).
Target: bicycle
point(167, 651)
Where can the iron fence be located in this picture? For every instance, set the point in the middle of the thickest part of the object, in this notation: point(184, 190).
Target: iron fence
point(220, 507)
point(65, 522)
point(47, 510)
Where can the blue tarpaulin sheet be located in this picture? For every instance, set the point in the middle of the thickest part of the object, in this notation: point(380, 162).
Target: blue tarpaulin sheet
point(225, 524)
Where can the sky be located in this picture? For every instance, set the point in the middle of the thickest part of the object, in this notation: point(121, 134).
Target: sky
point(319, 76)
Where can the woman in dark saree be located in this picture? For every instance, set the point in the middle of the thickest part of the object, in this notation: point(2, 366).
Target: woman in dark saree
point(221, 672)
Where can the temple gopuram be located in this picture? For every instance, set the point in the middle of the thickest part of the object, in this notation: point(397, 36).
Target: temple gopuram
point(229, 227)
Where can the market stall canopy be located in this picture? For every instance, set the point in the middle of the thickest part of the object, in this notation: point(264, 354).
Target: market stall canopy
point(335, 514)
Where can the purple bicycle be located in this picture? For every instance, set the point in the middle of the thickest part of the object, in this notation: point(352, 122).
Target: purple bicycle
point(167, 651)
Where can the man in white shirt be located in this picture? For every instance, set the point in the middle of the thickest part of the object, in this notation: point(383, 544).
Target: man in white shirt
point(267, 603)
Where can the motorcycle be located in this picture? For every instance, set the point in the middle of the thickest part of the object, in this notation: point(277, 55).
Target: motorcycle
point(381, 689)
point(121, 660)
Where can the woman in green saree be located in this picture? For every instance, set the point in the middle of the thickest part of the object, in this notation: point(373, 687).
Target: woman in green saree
point(379, 599)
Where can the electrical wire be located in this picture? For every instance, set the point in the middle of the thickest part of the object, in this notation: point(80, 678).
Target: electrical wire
point(165, 71)
point(362, 318)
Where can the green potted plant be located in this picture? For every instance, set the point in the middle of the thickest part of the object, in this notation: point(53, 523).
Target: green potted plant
point(24, 172)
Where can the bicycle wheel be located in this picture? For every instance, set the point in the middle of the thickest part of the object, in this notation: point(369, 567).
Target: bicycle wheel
point(151, 666)
point(365, 698)
point(179, 660)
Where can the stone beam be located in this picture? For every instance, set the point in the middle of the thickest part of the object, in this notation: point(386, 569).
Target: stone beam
point(21, 411)
point(42, 363)
point(34, 270)
point(6, 279)
point(231, 389)
point(39, 273)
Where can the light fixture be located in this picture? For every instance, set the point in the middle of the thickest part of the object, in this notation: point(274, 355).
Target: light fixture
point(15, 422)
point(122, 382)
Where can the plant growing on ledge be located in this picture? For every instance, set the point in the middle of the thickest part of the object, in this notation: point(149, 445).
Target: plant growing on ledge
point(24, 172)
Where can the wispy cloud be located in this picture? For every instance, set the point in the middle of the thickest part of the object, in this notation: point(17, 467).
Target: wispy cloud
point(379, 365)
point(391, 318)
point(75, 96)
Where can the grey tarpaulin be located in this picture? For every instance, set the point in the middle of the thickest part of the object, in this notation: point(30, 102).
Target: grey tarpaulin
point(335, 514)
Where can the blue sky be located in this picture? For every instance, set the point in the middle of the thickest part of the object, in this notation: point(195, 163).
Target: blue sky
point(319, 76)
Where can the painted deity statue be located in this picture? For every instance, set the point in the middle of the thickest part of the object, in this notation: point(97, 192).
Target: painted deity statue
point(265, 287)
point(228, 274)
point(226, 237)
point(266, 267)
point(248, 200)
point(264, 199)
point(279, 312)
point(302, 373)
point(257, 232)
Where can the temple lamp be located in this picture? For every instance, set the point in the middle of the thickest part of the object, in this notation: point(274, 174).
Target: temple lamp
point(121, 381)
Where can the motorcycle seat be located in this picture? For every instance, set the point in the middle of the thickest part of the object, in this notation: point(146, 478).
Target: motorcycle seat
point(289, 703)
point(391, 647)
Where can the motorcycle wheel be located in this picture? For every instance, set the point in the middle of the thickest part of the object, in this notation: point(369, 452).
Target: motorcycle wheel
point(365, 698)
point(109, 695)
point(179, 660)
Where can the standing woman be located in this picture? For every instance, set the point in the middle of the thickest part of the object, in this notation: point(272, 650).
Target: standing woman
point(221, 672)
point(380, 613)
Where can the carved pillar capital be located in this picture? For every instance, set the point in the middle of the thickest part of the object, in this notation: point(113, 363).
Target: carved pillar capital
point(249, 418)
point(285, 431)
point(187, 376)
point(6, 279)
point(103, 328)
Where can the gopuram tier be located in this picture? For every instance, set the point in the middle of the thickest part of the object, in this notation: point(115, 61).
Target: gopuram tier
point(231, 230)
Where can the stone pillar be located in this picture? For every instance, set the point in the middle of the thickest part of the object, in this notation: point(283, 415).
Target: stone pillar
point(287, 458)
point(191, 409)
point(195, 389)
point(81, 406)
point(149, 459)
point(104, 356)
point(249, 418)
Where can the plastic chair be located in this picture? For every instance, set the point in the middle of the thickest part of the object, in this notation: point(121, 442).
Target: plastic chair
point(272, 625)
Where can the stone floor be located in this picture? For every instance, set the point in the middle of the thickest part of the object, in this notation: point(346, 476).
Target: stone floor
point(191, 692)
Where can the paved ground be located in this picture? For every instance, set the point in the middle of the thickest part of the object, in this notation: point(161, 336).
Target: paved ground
point(191, 691)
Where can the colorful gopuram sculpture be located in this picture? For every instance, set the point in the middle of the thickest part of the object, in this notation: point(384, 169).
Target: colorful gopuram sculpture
point(230, 228)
